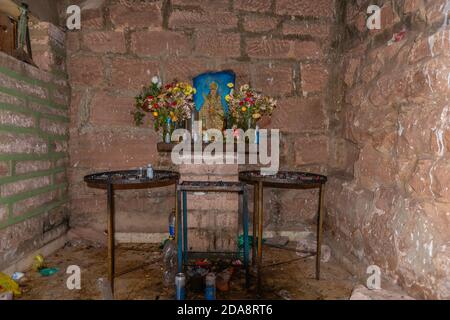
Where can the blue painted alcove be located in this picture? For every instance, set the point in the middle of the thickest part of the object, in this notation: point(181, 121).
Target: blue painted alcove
point(202, 84)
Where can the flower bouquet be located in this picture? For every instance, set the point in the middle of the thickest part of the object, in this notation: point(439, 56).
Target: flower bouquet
point(170, 105)
point(246, 107)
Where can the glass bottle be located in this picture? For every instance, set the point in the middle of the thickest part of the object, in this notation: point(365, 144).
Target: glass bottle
point(167, 135)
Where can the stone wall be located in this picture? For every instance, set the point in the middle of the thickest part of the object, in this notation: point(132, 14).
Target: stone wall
point(388, 201)
point(33, 157)
point(281, 47)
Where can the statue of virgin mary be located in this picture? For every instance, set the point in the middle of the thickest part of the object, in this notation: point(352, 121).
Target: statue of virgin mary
point(212, 113)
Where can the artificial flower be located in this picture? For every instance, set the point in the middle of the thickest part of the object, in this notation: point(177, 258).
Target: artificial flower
point(246, 106)
point(244, 87)
point(173, 101)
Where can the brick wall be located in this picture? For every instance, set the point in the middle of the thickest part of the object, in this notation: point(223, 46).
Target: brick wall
point(388, 203)
point(281, 47)
point(33, 158)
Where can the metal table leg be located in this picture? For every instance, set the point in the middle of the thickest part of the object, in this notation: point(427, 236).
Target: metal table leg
point(111, 232)
point(319, 230)
point(245, 227)
point(260, 233)
point(254, 222)
point(179, 234)
point(185, 229)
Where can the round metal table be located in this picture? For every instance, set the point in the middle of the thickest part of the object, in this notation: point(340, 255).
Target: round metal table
point(121, 180)
point(288, 180)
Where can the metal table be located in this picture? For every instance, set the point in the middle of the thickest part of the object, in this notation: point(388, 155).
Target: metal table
point(122, 180)
point(182, 219)
point(288, 180)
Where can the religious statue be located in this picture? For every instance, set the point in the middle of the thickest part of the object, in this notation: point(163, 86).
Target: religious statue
point(212, 112)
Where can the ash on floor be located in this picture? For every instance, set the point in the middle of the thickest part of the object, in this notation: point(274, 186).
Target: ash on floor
point(139, 268)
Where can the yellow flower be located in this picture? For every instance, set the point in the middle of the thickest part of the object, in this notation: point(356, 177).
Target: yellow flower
point(174, 119)
point(230, 85)
point(187, 89)
point(194, 91)
point(227, 98)
point(172, 114)
point(244, 109)
point(256, 116)
point(155, 114)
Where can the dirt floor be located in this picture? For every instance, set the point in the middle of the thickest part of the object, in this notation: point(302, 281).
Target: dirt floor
point(140, 276)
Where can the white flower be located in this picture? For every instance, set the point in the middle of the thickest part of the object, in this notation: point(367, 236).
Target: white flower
point(156, 80)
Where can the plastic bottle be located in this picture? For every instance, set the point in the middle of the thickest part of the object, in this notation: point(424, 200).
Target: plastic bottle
point(149, 171)
point(170, 262)
point(257, 134)
point(172, 224)
point(210, 286)
point(180, 284)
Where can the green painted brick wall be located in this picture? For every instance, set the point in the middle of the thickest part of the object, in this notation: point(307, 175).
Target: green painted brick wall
point(33, 141)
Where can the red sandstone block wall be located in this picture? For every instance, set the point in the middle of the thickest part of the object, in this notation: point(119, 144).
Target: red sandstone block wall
point(389, 203)
point(281, 47)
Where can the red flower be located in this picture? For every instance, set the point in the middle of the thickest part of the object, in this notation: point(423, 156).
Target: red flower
point(150, 97)
point(247, 99)
point(241, 103)
point(174, 104)
point(155, 105)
